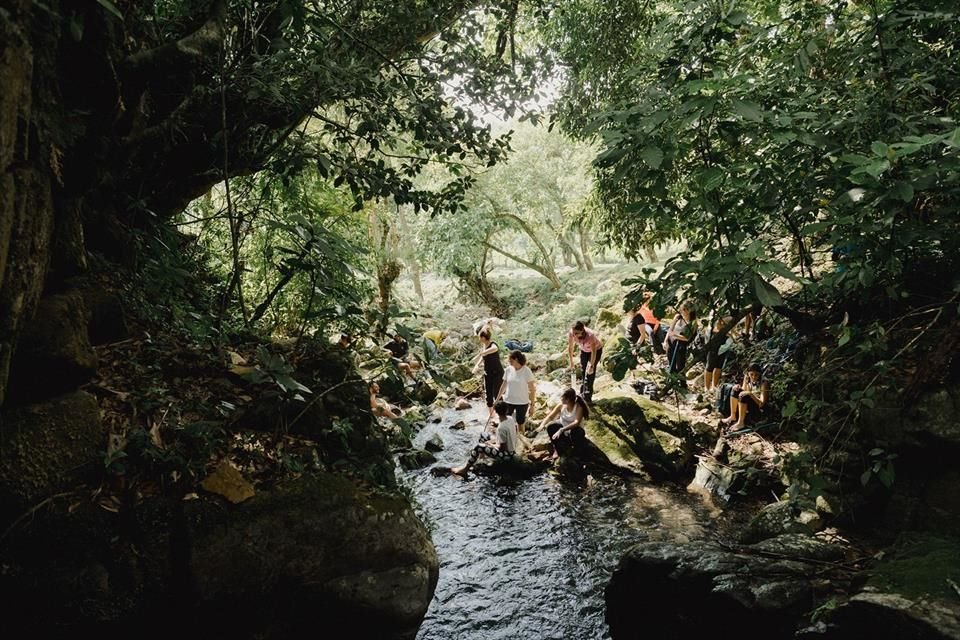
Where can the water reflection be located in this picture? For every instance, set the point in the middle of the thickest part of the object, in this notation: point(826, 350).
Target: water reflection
point(530, 559)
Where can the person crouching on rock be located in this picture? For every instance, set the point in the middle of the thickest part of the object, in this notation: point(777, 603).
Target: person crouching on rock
point(502, 444)
point(568, 432)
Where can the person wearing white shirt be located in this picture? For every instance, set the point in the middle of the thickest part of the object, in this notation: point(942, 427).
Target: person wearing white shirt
point(519, 388)
point(501, 445)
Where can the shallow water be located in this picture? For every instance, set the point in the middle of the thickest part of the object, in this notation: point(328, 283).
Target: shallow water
point(530, 559)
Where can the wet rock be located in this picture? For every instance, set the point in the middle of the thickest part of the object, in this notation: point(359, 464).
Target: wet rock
point(698, 586)
point(519, 468)
point(458, 426)
point(774, 520)
point(870, 615)
point(434, 443)
point(637, 435)
point(462, 404)
point(415, 459)
point(424, 393)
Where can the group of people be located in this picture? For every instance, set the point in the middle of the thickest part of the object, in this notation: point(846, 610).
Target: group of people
point(510, 393)
point(747, 399)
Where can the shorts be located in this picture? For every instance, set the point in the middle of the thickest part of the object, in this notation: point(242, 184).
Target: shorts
point(715, 359)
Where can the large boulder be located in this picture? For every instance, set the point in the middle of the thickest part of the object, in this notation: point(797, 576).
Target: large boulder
point(556, 361)
point(696, 586)
point(870, 615)
point(779, 518)
point(323, 552)
point(44, 447)
point(639, 436)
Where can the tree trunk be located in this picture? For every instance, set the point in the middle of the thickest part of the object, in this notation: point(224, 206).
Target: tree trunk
point(482, 291)
point(546, 267)
point(409, 253)
point(585, 248)
point(651, 252)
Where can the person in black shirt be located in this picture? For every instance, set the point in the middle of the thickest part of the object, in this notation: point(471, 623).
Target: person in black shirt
point(492, 367)
point(400, 353)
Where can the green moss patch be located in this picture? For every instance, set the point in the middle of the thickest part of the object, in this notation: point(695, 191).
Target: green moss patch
point(919, 565)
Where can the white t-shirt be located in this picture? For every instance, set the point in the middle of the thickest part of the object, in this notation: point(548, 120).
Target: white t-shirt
point(517, 381)
point(507, 434)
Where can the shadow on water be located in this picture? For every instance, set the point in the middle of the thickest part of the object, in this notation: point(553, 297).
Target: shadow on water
point(530, 559)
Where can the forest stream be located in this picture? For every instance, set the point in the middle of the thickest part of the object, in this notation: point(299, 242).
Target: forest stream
point(531, 558)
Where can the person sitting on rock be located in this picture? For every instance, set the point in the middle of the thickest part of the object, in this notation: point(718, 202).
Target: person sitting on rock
point(400, 354)
point(380, 407)
point(498, 445)
point(568, 433)
point(748, 399)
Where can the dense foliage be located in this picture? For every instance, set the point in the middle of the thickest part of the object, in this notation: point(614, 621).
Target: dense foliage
point(771, 136)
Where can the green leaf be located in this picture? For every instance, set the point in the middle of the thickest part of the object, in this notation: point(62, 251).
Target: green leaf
point(886, 475)
point(652, 156)
point(610, 157)
point(953, 139)
point(112, 8)
point(865, 477)
point(748, 110)
point(767, 294)
point(790, 409)
point(737, 17)
point(783, 270)
point(902, 191)
point(711, 178)
point(879, 149)
point(844, 337)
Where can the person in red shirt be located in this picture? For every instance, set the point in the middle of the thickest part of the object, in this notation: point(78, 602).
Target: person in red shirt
point(591, 351)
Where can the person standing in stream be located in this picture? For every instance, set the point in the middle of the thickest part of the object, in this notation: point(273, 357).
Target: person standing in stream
point(489, 356)
point(591, 351)
point(519, 388)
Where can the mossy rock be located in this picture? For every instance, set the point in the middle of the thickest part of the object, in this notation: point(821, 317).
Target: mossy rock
point(415, 459)
point(638, 436)
point(774, 520)
point(320, 547)
point(919, 565)
point(609, 317)
point(45, 446)
point(556, 361)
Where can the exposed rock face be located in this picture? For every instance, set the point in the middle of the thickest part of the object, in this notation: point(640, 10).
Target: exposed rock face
point(44, 447)
point(637, 435)
point(322, 554)
point(784, 517)
point(699, 586)
point(870, 615)
point(775, 586)
point(54, 353)
point(350, 558)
